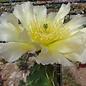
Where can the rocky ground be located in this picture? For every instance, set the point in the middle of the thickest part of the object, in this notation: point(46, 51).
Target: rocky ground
point(79, 75)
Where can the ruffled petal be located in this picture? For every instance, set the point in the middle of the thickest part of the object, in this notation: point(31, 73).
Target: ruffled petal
point(61, 51)
point(40, 13)
point(12, 51)
point(48, 56)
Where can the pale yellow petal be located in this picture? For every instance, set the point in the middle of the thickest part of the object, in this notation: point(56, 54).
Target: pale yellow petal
point(83, 30)
point(11, 31)
point(76, 23)
point(48, 56)
point(3, 16)
point(40, 13)
point(24, 13)
point(71, 44)
point(24, 37)
point(73, 57)
point(13, 20)
point(8, 32)
point(27, 9)
point(77, 56)
point(52, 15)
point(63, 11)
point(12, 51)
point(83, 56)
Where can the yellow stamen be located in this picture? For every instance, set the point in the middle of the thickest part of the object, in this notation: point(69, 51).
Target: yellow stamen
point(47, 33)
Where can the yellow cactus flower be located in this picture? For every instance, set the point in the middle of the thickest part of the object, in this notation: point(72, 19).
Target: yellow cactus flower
point(58, 41)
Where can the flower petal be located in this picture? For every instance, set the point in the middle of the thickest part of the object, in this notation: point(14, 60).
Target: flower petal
point(40, 13)
point(12, 51)
point(3, 16)
point(83, 30)
point(83, 56)
point(52, 15)
point(76, 23)
point(77, 56)
point(27, 9)
point(63, 11)
point(13, 20)
point(24, 37)
point(48, 56)
point(24, 13)
point(8, 32)
point(71, 44)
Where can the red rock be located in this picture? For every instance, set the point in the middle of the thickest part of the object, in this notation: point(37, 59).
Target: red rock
point(82, 65)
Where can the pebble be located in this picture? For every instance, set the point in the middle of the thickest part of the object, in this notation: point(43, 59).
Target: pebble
point(13, 75)
point(18, 75)
point(1, 63)
point(80, 77)
point(8, 64)
point(11, 83)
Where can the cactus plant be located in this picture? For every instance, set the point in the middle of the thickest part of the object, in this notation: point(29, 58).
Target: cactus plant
point(41, 75)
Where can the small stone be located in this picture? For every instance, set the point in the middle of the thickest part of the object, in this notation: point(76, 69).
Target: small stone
point(25, 75)
point(8, 64)
point(1, 63)
point(11, 83)
point(13, 75)
point(18, 75)
point(80, 77)
point(76, 77)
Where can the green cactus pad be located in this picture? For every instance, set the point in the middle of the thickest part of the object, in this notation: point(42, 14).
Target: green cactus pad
point(41, 75)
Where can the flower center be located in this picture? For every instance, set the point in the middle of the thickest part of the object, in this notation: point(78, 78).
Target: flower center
point(47, 33)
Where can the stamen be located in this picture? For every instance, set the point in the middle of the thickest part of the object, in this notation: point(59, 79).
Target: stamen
point(45, 33)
